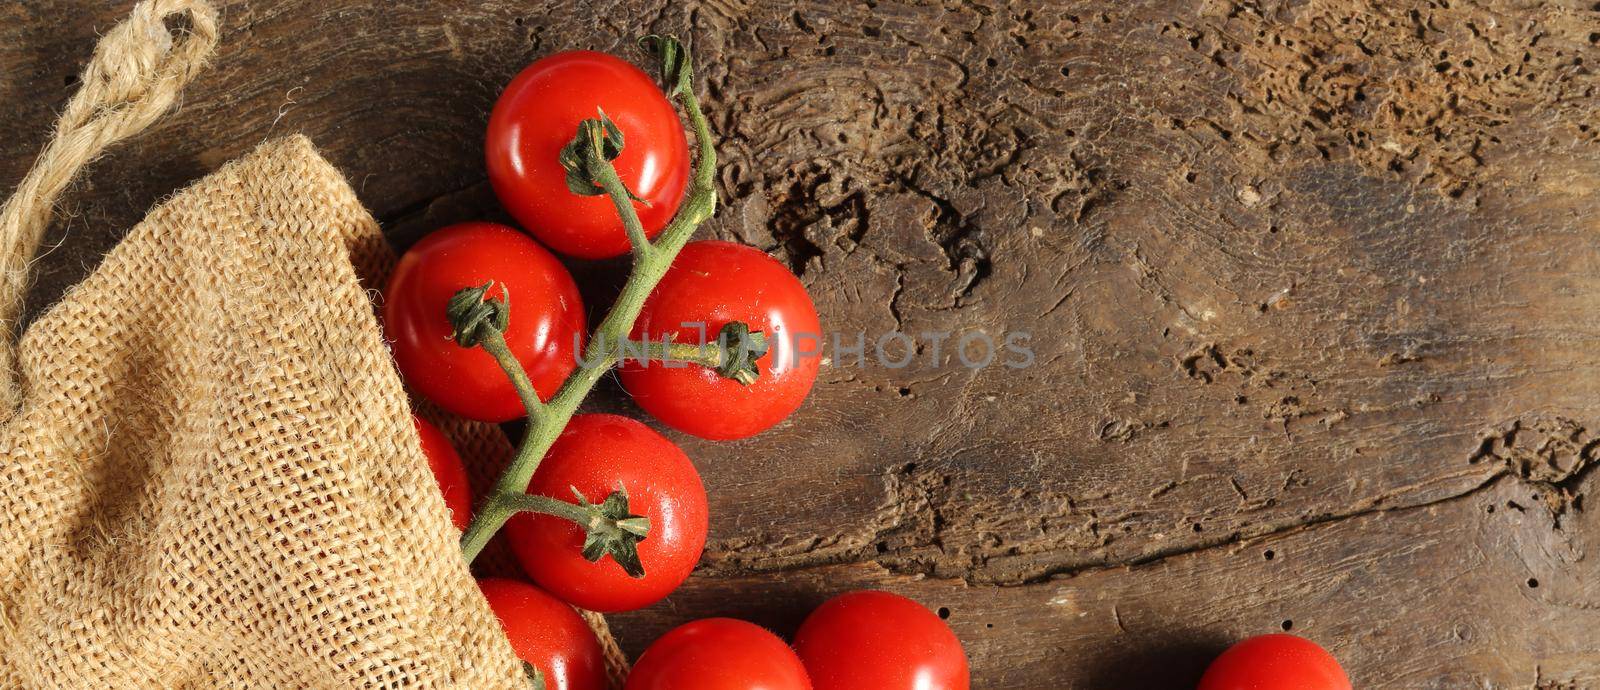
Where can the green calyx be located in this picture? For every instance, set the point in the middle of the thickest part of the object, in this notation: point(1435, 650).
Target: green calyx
point(740, 350)
point(597, 143)
point(472, 309)
point(611, 529)
point(608, 526)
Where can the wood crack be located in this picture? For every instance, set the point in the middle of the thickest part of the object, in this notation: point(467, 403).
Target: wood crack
point(821, 552)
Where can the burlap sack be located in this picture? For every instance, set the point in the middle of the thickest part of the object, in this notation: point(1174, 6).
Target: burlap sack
point(210, 477)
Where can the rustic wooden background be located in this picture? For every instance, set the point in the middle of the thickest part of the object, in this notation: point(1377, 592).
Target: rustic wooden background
point(1312, 288)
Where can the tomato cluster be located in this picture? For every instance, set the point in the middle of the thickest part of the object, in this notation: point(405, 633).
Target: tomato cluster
point(499, 363)
point(488, 324)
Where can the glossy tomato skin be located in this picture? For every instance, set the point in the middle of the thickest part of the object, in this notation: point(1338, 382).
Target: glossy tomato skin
point(539, 112)
point(548, 634)
point(597, 454)
point(872, 640)
point(546, 330)
point(1275, 662)
point(713, 283)
point(448, 471)
point(718, 654)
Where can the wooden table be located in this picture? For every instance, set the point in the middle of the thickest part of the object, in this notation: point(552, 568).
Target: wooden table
point(1311, 291)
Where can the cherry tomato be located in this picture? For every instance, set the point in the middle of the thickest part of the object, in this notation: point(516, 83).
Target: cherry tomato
point(880, 641)
point(710, 284)
point(448, 471)
point(539, 113)
point(548, 634)
point(598, 454)
point(718, 654)
point(1275, 662)
point(547, 325)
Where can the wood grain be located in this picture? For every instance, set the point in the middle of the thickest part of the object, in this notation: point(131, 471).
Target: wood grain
point(1309, 279)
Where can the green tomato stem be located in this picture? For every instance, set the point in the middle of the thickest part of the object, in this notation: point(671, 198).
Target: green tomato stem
point(530, 503)
point(650, 263)
point(494, 342)
point(606, 174)
point(709, 355)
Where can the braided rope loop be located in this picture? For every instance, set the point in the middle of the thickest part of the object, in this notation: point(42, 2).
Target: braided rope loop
point(137, 71)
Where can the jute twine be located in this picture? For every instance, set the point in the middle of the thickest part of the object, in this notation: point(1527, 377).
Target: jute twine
point(208, 474)
point(135, 76)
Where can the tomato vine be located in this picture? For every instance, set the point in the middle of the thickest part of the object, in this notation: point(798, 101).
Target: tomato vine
point(480, 316)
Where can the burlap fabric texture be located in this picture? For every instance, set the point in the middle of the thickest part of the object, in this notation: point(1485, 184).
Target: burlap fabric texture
point(208, 473)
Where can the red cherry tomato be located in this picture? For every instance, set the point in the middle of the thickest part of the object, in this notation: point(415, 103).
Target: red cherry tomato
point(548, 634)
point(718, 654)
point(598, 454)
point(448, 471)
point(539, 113)
point(1275, 662)
point(547, 321)
point(880, 641)
point(713, 283)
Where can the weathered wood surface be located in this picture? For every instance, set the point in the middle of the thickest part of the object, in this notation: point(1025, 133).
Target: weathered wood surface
point(1313, 289)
